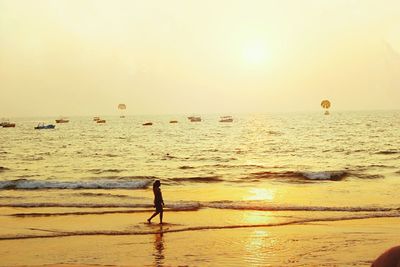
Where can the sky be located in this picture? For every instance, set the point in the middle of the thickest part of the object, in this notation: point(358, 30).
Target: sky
point(84, 57)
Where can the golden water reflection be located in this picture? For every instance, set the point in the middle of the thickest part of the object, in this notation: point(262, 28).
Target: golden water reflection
point(260, 194)
point(257, 245)
point(159, 248)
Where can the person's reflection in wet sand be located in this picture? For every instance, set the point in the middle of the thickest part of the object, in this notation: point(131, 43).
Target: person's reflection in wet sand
point(159, 248)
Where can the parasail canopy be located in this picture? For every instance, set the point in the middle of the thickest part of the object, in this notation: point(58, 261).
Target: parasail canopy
point(121, 106)
point(326, 104)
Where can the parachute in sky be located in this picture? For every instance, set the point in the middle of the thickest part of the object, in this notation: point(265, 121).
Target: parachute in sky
point(122, 108)
point(326, 104)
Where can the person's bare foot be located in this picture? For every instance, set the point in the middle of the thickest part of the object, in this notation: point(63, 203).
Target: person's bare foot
point(148, 220)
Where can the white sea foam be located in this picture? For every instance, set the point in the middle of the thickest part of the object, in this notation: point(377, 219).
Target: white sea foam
point(92, 184)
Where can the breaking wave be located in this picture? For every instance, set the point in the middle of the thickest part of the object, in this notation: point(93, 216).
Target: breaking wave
point(323, 175)
point(98, 184)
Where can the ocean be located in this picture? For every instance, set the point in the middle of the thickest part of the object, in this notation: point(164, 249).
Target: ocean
point(310, 166)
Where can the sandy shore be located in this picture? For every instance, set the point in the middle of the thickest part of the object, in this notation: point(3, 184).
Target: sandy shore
point(206, 237)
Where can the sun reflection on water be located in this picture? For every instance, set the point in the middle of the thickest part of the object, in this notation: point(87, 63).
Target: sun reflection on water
point(260, 194)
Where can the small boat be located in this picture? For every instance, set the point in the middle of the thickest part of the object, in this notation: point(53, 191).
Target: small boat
point(173, 121)
point(101, 121)
point(62, 120)
point(96, 118)
point(194, 119)
point(226, 119)
point(41, 126)
point(147, 124)
point(8, 125)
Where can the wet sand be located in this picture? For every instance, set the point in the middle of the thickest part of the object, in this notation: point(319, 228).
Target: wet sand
point(206, 237)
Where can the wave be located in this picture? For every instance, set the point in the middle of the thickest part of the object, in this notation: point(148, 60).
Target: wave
point(193, 205)
point(388, 152)
point(239, 166)
point(90, 194)
point(269, 207)
point(73, 205)
point(186, 167)
point(323, 175)
point(198, 179)
point(79, 213)
point(174, 228)
point(274, 133)
point(100, 171)
point(98, 184)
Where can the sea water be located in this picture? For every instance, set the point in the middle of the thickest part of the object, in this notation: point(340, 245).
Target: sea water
point(321, 167)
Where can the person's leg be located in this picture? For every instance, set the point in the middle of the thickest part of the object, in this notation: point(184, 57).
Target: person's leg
point(152, 216)
point(161, 214)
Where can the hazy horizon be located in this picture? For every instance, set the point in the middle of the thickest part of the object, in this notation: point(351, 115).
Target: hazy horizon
point(77, 58)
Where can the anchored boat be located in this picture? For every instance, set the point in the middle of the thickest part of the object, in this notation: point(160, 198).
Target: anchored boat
point(226, 119)
point(62, 120)
point(42, 126)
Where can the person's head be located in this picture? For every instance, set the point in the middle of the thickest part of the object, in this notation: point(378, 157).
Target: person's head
point(156, 183)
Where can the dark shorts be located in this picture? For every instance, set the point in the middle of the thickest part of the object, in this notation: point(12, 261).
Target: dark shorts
point(159, 207)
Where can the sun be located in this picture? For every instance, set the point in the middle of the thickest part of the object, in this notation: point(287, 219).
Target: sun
point(255, 53)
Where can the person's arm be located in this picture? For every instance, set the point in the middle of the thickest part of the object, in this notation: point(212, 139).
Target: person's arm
point(162, 200)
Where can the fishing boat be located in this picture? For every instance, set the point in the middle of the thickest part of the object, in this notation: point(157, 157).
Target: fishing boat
point(62, 120)
point(96, 118)
point(41, 126)
point(194, 118)
point(226, 119)
point(173, 121)
point(101, 121)
point(7, 125)
point(147, 124)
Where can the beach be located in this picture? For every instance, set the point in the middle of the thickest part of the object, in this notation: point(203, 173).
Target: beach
point(265, 190)
point(114, 240)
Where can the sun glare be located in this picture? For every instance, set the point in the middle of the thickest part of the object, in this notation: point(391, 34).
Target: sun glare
point(255, 53)
point(260, 194)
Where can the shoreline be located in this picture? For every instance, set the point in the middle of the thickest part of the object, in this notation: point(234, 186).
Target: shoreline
point(181, 241)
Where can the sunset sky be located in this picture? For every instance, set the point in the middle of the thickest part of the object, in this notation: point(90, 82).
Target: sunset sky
point(78, 57)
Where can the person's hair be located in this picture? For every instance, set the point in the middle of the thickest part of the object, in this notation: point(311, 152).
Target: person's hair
point(156, 183)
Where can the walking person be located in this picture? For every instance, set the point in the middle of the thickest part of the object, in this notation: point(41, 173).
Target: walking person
point(158, 201)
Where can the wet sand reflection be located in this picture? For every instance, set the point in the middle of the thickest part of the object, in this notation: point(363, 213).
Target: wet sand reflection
point(159, 248)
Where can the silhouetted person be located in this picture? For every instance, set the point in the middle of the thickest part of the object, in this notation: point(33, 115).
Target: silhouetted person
point(158, 201)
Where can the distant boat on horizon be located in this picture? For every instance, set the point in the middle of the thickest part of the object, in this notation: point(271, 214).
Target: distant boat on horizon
point(62, 120)
point(7, 124)
point(147, 124)
point(226, 119)
point(194, 118)
point(41, 126)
